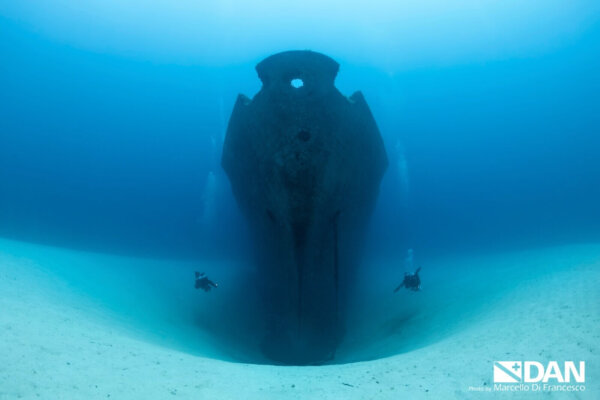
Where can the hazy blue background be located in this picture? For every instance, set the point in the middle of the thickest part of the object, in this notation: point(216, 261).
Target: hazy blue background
point(112, 115)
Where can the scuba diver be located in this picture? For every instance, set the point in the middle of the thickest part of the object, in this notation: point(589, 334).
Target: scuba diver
point(202, 282)
point(411, 281)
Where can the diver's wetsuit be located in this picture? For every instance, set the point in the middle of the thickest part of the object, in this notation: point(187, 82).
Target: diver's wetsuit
point(202, 282)
point(411, 281)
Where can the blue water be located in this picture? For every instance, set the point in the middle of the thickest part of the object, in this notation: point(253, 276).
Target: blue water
point(109, 150)
point(109, 147)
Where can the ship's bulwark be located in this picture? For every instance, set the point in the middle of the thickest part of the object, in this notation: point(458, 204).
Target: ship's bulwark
point(305, 164)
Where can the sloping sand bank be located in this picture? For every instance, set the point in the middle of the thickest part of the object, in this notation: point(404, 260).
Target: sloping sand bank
point(59, 340)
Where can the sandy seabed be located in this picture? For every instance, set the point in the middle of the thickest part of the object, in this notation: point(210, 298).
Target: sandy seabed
point(58, 342)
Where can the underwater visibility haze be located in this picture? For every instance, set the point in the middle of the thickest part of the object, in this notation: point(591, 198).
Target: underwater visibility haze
point(128, 163)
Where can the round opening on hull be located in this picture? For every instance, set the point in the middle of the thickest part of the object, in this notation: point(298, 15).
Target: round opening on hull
point(297, 83)
point(304, 135)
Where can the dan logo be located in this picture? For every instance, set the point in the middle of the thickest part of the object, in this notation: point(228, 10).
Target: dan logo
point(534, 371)
point(508, 371)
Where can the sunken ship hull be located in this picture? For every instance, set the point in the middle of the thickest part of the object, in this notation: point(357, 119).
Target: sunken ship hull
point(305, 164)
